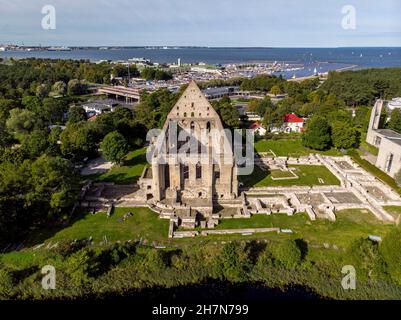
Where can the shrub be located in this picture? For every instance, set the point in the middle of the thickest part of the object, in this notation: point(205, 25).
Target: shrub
point(390, 248)
point(286, 253)
point(364, 255)
point(317, 134)
point(6, 284)
point(80, 266)
point(235, 262)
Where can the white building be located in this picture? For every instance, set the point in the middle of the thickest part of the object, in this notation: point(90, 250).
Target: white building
point(387, 141)
point(293, 123)
point(100, 106)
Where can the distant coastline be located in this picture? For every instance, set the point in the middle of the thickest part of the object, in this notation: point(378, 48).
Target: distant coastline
point(323, 59)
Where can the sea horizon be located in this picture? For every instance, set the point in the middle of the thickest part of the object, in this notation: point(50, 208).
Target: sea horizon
point(323, 59)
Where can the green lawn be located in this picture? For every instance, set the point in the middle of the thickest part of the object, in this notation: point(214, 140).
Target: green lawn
point(393, 210)
point(289, 148)
point(350, 225)
point(143, 224)
point(129, 172)
point(308, 176)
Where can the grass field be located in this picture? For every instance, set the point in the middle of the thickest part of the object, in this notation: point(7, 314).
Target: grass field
point(289, 148)
point(393, 210)
point(308, 176)
point(350, 224)
point(129, 172)
point(143, 224)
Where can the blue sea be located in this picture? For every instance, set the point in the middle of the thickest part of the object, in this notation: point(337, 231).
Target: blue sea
point(323, 59)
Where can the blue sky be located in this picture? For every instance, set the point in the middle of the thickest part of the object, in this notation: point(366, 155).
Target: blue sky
point(269, 23)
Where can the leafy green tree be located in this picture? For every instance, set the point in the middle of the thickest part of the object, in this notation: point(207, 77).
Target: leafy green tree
point(59, 88)
point(260, 106)
point(114, 147)
point(53, 178)
point(229, 115)
point(5, 137)
point(395, 120)
point(145, 115)
point(343, 135)
point(76, 87)
point(234, 262)
point(53, 110)
point(120, 70)
point(42, 91)
point(362, 117)
point(80, 266)
point(53, 142)
point(390, 249)
point(286, 253)
point(35, 143)
point(363, 87)
point(364, 255)
point(32, 103)
point(261, 83)
point(35, 193)
point(5, 106)
point(155, 74)
point(76, 114)
point(276, 90)
point(79, 140)
point(317, 134)
point(21, 121)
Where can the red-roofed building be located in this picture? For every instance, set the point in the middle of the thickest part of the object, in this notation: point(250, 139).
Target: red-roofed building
point(293, 123)
point(257, 127)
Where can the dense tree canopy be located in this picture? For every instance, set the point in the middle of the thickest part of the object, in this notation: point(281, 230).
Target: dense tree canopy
point(317, 134)
point(155, 74)
point(114, 147)
point(228, 113)
point(364, 86)
point(33, 192)
point(343, 135)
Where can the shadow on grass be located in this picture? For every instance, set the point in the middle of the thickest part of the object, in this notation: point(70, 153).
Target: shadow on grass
point(253, 179)
point(128, 173)
point(138, 159)
point(47, 232)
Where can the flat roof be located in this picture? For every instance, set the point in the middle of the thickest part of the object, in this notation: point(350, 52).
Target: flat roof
point(388, 133)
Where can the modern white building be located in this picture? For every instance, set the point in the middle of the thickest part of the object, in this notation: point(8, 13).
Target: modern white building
point(100, 106)
point(387, 141)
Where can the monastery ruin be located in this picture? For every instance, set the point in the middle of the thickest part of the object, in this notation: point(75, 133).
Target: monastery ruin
point(199, 189)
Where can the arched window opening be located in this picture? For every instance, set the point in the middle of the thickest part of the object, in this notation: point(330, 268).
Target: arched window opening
point(198, 171)
point(208, 126)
